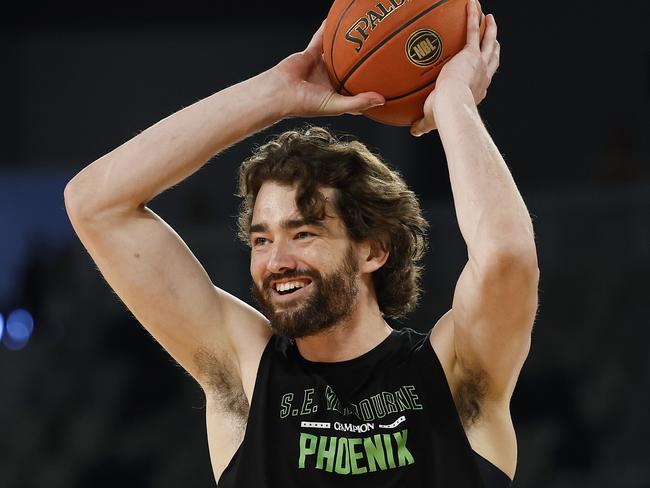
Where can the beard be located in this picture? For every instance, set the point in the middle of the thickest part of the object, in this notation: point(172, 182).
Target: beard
point(331, 300)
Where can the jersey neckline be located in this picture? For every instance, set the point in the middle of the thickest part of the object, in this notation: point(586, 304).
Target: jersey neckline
point(368, 357)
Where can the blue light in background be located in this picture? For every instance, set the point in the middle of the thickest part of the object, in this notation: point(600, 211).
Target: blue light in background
point(37, 230)
point(2, 326)
point(18, 329)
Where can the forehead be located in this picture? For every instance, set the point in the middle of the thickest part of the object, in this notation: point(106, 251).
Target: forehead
point(276, 202)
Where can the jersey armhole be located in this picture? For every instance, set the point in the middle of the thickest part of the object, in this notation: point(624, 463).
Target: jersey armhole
point(261, 370)
point(491, 475)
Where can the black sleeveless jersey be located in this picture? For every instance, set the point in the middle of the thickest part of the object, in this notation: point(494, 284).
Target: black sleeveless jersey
point(385, 419)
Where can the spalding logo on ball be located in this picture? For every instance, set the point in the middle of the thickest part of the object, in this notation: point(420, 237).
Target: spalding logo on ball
point(393, 47)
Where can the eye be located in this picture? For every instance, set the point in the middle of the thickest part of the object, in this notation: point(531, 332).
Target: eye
point(259, 241)
point(304, 235)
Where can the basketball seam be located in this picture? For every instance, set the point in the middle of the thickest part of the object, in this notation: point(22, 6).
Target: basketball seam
point(334, 39)
point(412, 91)
point(384, 41)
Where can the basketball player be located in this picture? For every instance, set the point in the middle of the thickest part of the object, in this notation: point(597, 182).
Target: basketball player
point(319, 390)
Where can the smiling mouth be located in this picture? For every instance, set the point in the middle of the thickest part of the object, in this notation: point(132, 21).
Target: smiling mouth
point(290, 287)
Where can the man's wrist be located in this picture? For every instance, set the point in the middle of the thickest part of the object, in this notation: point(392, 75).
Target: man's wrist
point(452, 97)
point(274, 94)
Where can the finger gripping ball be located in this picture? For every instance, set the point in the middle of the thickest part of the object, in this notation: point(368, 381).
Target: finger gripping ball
point(393, 47)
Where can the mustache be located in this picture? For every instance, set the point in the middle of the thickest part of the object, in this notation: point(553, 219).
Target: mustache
point(293, 273)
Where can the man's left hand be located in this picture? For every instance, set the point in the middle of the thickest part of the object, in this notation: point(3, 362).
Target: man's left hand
point(471, 69)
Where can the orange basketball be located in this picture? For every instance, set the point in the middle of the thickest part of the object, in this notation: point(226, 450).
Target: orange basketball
point(393, 47)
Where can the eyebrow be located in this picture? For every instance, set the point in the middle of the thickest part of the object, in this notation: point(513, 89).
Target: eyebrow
point(287, 224)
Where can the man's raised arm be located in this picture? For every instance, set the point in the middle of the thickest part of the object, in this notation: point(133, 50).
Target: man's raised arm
point(495, 300)
point(141, 257)
point(174, 148)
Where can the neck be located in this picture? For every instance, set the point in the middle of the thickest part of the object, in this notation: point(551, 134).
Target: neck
point(349, 339)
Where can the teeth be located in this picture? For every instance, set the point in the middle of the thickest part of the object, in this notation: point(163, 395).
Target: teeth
point(288, 286)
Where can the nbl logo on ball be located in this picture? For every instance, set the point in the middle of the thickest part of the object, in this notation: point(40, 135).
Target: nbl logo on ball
point(424, 47)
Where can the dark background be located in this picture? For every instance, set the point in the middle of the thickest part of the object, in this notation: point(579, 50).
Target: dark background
point(93, 401)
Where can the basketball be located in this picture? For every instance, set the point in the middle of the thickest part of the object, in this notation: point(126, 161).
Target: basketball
point(393, 47)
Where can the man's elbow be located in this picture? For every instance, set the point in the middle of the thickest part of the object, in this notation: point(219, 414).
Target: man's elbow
point(71, 199)
point(509, 256)
point(80, 201)
point(521, 257)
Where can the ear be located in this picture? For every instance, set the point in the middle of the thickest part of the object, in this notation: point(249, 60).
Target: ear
point(373, 255)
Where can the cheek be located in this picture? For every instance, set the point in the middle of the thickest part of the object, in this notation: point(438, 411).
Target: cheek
point(257, 267)
point(309, 255)
point(312, 258)
point(320, 257)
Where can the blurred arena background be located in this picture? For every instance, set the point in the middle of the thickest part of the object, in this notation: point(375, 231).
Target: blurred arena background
point(88, 399)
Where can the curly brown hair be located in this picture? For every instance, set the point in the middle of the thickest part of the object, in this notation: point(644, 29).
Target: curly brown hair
point(372, 199)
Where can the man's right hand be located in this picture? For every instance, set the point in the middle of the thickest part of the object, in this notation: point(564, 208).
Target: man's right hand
point(307, 89)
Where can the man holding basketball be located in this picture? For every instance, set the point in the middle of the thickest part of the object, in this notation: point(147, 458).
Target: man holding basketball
point(320, 389)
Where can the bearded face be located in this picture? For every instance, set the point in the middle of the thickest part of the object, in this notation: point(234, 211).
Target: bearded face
point(320, 301)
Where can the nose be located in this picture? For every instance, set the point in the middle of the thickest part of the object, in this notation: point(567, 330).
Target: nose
point(282, 258)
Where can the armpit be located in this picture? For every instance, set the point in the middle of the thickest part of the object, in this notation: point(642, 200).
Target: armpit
point(469, 396)
point(220, 381)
